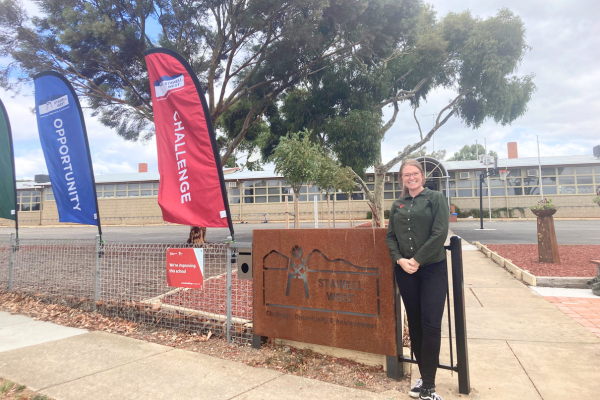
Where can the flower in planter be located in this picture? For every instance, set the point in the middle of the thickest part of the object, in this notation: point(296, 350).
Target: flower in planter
point(545, 204)
point(597, 198)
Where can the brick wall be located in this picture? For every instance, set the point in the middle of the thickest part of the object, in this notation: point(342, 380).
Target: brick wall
point(145, 210)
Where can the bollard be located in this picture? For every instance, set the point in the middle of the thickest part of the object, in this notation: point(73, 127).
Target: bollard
point(460, 322)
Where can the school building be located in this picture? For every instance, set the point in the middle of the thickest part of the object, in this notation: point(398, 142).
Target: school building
point(255, 196)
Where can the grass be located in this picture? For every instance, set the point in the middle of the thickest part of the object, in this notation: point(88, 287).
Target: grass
point(10, 390)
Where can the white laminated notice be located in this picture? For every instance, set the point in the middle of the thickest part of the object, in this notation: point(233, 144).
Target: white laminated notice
point(223, 214)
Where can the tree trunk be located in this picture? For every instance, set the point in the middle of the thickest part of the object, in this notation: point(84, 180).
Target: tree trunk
point(378, 193)
point(296, 211)
point(328, 213)
point(334, 194)
point(197, 234)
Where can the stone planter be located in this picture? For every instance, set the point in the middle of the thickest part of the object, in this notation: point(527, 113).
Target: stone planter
point(543, 213)
point(547, 245)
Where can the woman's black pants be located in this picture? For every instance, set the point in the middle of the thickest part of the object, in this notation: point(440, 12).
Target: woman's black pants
point(424, 297)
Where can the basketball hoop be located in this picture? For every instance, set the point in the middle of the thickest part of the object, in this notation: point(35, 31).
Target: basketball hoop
point(503, 174)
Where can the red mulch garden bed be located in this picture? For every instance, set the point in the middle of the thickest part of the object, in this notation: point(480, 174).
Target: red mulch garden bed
point(213, 298)
point(574, 259)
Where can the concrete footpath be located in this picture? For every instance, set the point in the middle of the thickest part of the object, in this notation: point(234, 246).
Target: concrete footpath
point(521, 346)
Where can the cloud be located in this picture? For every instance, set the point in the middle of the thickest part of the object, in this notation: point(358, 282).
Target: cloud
point(566, 62)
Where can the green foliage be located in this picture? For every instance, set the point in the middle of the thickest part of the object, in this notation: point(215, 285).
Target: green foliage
point(438, 155)
point(297, 159)
point(386, 214)
point(545, 204)
point(471, 152)
point(6, 386)
point(597, 200)
point(241, 50)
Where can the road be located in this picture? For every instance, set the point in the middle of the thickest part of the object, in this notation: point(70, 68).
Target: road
point(509, 232)
point(514, 232)
point(148, 234)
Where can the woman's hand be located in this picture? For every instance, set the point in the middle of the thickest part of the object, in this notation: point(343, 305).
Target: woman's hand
point(407, 266)
point(414, 263)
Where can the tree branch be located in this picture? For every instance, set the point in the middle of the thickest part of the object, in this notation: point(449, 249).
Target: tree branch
point(418, 124)
point(364, 187)
point(438, 125)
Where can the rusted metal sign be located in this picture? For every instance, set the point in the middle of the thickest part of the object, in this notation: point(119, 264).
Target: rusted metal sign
point(331, 287)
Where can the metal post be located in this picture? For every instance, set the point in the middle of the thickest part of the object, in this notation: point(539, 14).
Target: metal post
point(228, 327)
point(395, 364)
point(480, 200)
point(97, 271)
point(460, 322)
point(11, 265)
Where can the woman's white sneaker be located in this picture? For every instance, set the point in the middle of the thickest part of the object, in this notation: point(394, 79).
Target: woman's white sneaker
point(415, 391)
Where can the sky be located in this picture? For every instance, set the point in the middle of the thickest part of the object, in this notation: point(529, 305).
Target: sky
point(564, 112)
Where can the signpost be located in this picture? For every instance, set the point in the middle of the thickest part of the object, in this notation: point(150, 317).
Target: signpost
point(333, 287)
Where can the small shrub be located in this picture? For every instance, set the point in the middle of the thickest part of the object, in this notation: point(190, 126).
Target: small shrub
point(597, 200)
point(545, 204)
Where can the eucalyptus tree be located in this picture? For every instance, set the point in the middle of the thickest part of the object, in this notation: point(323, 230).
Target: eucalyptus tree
point(474, 59)
point(241, 50)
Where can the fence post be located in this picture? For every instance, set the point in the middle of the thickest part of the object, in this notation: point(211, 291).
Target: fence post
point(460, 322)
point(11, 264)
point(228, 327)
point(97, 273)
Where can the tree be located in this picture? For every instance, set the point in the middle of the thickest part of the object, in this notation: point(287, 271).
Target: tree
point(243, 51)
point(297, 159)
point(438, 155)
point(326, 178)
point(474, 58)
point(471, 152)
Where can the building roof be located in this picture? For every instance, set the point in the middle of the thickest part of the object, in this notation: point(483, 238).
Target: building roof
point(246, 175)
point(30, 185)
point(524, 162)
point(249, 175)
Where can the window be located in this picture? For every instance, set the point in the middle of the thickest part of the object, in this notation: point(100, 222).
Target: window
point(465, 184)
point(585, 179)
point(514, 173)
point(585, 189)
point(566, 171)
point(28, 200)
point(566, 180)
point(530, 190)
point(516, 191)
point(465, 193)
point(583, 170)
point(548, 171)
point(498, 192)
point(49, 193)
point(566, 189)
point(550, 190)
point(531, 182)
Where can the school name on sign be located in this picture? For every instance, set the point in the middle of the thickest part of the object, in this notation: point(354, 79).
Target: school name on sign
point(185, 268)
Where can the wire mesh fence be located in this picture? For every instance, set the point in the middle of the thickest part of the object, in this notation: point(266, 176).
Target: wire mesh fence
point(129, 281)
point(5, 242)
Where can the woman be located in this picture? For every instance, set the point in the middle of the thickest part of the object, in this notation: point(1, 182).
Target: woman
point(416, 234)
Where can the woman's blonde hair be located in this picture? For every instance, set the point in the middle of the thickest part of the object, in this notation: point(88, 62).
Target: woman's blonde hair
point(414, 163)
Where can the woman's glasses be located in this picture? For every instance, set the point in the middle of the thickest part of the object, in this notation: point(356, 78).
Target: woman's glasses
point(413, 175)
